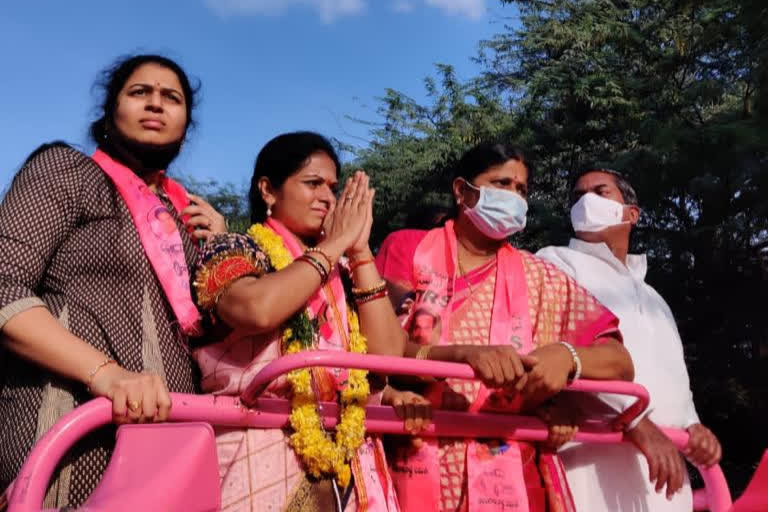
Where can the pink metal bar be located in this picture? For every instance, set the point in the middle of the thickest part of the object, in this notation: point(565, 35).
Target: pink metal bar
point(717, 491)
point(29, 487)
point(408, 366)
point(29, 490)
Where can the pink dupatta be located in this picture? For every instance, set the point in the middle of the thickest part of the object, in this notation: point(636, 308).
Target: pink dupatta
point(160, 239)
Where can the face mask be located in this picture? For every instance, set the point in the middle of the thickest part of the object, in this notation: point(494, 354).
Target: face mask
point(594, 213)
point(498, 212)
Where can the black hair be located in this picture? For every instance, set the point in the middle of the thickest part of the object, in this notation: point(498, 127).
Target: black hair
point(628, 193)
point(113, 80)
point(485, 155)
point(282, 157)
point(427, 216)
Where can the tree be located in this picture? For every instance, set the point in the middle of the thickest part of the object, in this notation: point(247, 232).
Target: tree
point(673, 93)
point(666, 90)
point(414, 147)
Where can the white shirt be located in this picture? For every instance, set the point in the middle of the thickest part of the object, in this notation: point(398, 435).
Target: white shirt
point(651, 337)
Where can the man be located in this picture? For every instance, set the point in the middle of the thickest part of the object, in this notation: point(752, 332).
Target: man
point(630, 477)
point(425, 327)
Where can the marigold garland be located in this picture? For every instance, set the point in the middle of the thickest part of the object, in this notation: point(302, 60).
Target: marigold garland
point(320, 454)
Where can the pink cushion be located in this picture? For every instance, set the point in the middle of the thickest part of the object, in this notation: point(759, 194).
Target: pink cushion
point(166, 466)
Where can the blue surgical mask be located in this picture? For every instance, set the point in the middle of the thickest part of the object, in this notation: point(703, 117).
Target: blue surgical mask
point(498, 213)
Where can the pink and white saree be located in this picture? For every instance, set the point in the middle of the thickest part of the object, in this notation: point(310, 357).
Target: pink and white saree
point(258, 468)
point(516, 299)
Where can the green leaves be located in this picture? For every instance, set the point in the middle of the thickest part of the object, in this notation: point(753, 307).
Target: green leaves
point(674, 93)
point(414, 147)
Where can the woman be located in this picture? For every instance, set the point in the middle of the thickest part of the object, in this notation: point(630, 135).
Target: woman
point(525, 328)
point(285, 288)
point(94, 280)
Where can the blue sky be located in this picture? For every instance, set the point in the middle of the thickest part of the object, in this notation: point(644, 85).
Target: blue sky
point(266, 66)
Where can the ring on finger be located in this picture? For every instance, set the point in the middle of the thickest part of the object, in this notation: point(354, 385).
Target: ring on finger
point(133, 405)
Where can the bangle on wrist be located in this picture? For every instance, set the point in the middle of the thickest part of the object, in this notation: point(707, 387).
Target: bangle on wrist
point(353, 265)
point(366, 255)
point(576, 361)
point(380, 286)
point(315, 263)
point(95, 371)
point(362, 299)
point(322, 253)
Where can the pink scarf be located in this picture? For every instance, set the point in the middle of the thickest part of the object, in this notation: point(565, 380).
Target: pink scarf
point(320, 304)
point(373, 485)
point(159, 238)
point(494, 482)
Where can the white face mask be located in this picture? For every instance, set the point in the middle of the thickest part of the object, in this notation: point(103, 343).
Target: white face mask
point(498, 213)
point(594, 213)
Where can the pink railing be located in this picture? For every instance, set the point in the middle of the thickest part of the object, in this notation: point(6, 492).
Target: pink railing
point(402, 366)
point(29, 489)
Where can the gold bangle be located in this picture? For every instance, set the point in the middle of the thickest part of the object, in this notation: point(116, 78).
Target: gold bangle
point(373, 296)
point(381, 285)
point(96, 370)
point(323, 254)
point(423, 352)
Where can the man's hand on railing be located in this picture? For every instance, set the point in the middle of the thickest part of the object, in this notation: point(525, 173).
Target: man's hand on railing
point(665, 465)
point(703, 447)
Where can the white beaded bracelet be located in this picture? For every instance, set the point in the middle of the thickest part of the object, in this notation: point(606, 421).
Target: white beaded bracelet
point(576, 359)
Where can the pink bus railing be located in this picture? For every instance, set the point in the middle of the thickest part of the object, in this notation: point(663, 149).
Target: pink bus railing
point(30, 486)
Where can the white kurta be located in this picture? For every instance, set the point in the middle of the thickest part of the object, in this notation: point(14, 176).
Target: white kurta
point(614, 478)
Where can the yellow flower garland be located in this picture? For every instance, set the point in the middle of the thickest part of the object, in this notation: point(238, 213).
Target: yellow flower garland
point(320, 455)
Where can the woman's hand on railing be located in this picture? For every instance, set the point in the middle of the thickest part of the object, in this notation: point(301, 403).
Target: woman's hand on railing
point(412, 408)
point(136, 397)
point(562, 422)
point(550, 373)
point(496, 366)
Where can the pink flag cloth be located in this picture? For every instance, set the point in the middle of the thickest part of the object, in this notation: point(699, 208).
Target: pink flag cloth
point(159, 235)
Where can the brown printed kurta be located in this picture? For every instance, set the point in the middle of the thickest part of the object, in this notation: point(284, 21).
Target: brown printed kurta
point(67, 242)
